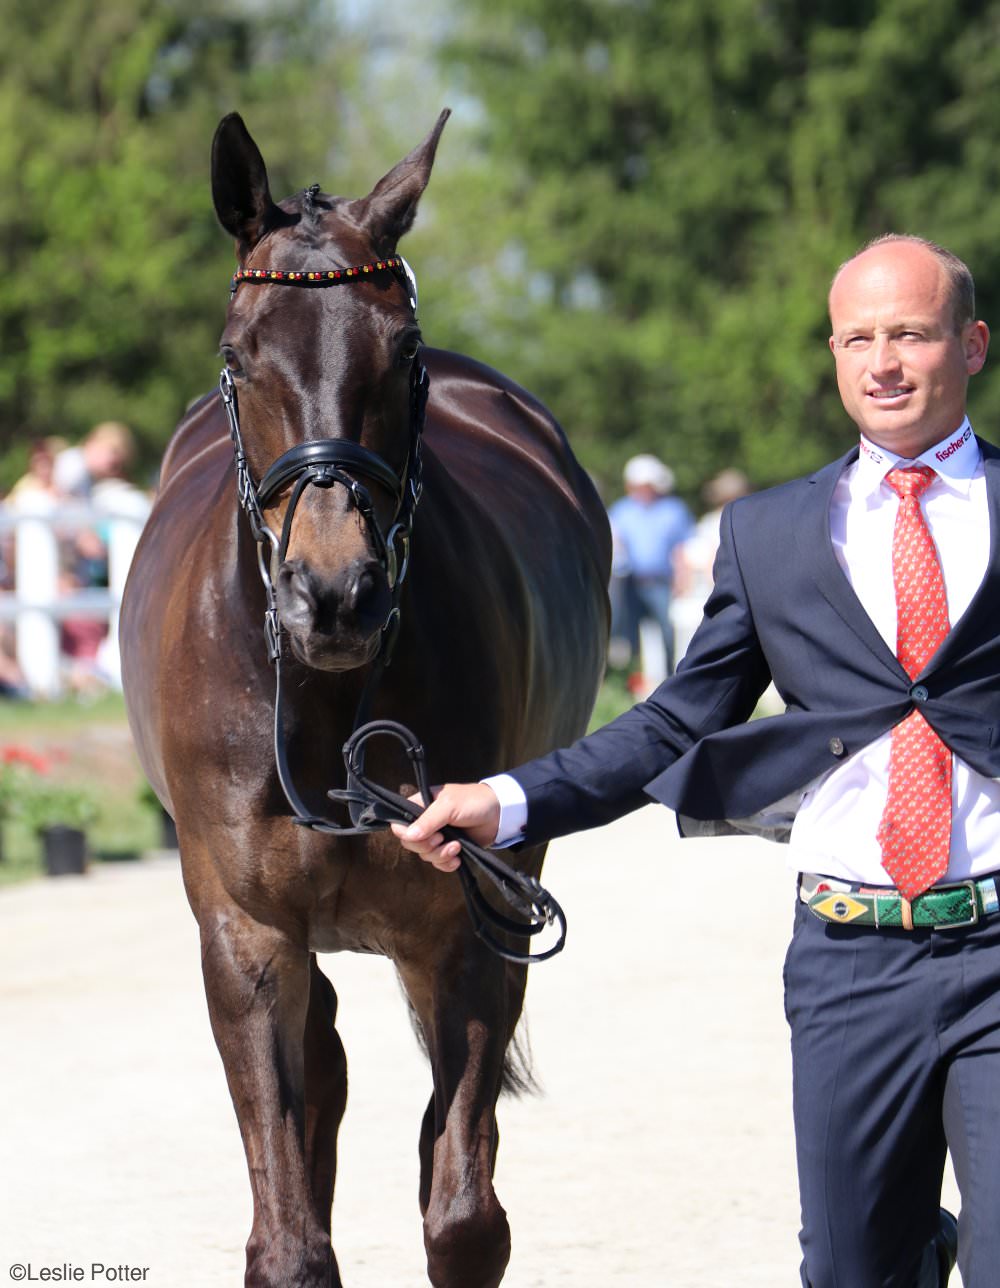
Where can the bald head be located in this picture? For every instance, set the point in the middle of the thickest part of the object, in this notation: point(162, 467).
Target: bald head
point(960, 284)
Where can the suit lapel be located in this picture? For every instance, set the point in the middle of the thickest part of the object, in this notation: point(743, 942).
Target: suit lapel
point(831, 580)
point(983, 607)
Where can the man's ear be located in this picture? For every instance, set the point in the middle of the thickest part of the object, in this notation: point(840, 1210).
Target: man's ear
point(977, 342)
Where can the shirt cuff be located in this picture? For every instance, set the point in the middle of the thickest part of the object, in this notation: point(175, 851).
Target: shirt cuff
point(513, 809)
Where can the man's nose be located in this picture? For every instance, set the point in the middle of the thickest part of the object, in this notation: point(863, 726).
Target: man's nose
point(882, 357)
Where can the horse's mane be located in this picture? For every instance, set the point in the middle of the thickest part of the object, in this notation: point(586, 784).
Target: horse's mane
point(310, 205)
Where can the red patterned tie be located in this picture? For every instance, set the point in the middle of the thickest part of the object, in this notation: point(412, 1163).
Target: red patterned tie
point(915, 831)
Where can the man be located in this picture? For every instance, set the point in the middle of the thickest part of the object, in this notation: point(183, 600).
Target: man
point(648, 526)
point(868, 593)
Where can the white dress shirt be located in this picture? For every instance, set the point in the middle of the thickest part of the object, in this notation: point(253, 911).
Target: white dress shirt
point(835, 829)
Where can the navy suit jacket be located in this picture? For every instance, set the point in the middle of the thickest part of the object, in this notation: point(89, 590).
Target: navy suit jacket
point(782, 609)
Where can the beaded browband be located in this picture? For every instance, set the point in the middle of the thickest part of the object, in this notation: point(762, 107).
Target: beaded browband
point(326, 277)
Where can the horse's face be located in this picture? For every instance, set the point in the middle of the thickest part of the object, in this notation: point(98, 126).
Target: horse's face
point(323, 363)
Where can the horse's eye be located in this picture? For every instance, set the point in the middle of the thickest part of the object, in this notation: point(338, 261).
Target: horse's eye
point(409, 348)
point(231, 359)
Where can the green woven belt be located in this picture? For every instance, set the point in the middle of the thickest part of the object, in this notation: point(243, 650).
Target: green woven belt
point(941, 908)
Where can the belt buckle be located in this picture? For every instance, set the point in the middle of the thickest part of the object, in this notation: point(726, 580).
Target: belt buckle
point(970, 885)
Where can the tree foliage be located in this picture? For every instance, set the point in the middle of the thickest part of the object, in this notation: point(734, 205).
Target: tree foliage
point(636, 209)
point(661, 192)
point(114, 267)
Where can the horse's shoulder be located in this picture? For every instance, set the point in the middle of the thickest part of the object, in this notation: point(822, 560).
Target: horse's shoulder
point(448, 368)
point(481, 425)
point(469, 399)
point(202, 428)
point(457, 379)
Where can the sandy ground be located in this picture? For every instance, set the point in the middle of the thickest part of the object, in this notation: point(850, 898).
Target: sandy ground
point(659, 1154)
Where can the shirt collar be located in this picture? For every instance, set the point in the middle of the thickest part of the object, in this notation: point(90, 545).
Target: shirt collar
point(955, 459)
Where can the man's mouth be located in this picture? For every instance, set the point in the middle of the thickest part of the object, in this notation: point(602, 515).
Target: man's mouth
point(886, 395)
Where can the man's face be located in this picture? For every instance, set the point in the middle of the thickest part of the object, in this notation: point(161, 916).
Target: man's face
point(902, 368)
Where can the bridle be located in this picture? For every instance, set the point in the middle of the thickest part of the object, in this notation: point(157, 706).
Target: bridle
point(324, 463)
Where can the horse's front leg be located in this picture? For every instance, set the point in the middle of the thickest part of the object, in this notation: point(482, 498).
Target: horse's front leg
point(258, 987)
point(467, 1011)
point(326, 1091)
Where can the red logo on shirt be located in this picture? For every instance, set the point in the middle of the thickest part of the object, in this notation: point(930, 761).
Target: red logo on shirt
point(954, 445)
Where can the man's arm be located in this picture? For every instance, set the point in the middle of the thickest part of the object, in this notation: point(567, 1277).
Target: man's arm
point(603, 775)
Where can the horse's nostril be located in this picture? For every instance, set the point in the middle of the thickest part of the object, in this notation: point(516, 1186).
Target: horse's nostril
point(297, 592)
point(361, 589)
point(367, 596)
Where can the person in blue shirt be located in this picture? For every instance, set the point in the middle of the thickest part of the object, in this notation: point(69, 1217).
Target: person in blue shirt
point(648, 524)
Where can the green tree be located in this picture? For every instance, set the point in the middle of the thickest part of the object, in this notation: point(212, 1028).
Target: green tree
point(657, 195)
point(114, 268)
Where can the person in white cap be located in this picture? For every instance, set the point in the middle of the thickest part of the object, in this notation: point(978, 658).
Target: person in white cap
point(648, 524)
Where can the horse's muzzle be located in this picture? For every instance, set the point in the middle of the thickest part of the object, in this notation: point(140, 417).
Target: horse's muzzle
point(333, 623)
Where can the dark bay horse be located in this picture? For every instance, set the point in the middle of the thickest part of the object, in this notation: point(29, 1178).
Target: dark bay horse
point(502, 628)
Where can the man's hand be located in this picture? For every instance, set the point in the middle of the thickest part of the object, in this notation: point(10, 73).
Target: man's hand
point(472, 807)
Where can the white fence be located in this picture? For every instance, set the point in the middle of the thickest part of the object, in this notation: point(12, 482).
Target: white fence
point(36, 605)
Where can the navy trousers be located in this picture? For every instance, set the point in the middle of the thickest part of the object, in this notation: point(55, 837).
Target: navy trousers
point(895, 1058)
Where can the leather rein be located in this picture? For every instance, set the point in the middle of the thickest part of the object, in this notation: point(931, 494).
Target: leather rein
point(328, 462)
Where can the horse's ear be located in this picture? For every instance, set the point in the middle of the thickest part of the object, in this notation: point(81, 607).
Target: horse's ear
point(239, 184)
point(391, 207)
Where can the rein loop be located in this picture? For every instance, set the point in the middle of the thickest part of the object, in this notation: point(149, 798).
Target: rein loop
point(524, 894)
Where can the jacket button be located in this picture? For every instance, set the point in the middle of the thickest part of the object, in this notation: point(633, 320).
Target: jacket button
point(837, 746)
point(919, 693)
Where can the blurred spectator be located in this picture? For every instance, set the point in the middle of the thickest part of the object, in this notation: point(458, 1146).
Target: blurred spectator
point(101, 473)
point(106, 453)
point(647, 525)
point(97, 472)
point(12, 682)
point(118, 495)
point(94, 476)
point(80, 638)
point(7, 555)
point(36, 489)
point(696, 556)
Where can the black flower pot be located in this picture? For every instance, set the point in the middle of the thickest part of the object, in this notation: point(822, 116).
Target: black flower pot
point(65, 850)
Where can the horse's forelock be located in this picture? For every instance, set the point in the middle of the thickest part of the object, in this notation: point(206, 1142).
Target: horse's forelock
point(313, 203)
